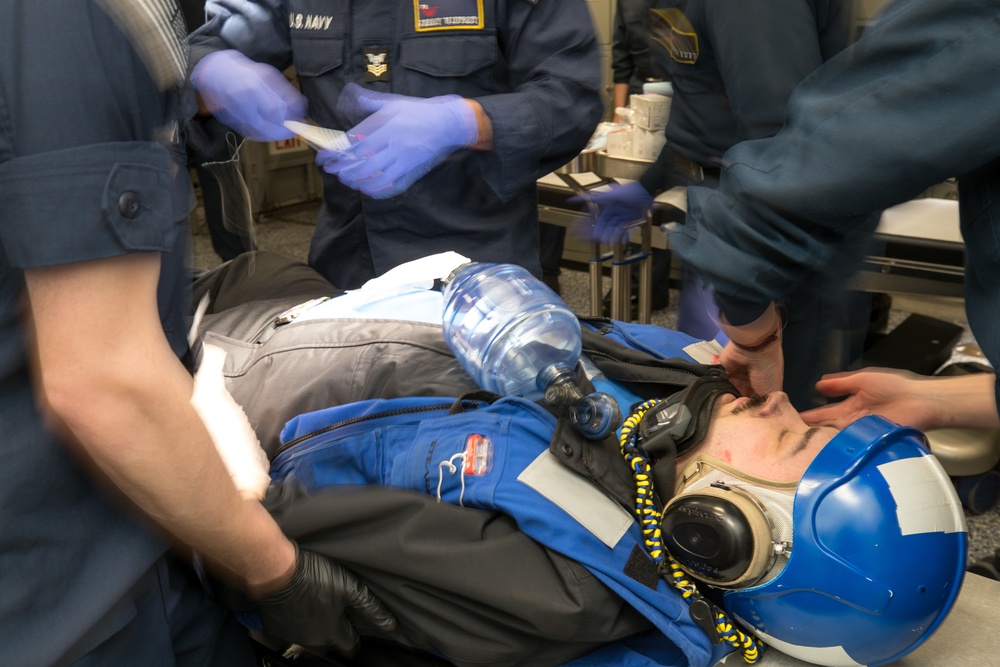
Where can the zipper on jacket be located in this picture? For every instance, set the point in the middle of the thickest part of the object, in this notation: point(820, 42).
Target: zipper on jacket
point(363, 418)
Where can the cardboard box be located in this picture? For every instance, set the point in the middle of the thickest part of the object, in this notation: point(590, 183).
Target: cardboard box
point(647, 144)
point(650, 112)
point(620, 143)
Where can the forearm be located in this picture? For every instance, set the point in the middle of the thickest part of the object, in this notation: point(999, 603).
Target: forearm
point(764, 328)
point(485, 139)
point(142, 434)
point(808, 187)
point(115, 386)
point(621, 97)
point(549, 109)
point(259, 30)
point(961, 401)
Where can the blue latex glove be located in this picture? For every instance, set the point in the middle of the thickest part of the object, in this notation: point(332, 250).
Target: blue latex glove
point(403, 139)
point(619, 206)
point(250, 97)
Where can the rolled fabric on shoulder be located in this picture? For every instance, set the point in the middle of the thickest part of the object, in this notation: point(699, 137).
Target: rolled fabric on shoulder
point(229, 427)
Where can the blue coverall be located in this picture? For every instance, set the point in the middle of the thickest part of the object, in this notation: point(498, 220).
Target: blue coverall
point(87, 171)
point(377, 442)
point(912, 103)
point(533, 66)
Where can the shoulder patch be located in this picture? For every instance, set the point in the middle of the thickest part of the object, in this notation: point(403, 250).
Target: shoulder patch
point(672, 30)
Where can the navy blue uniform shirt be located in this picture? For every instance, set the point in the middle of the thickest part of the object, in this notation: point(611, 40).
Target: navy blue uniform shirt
point(733, 66)
point(913, 102)
point(630, 59)
point(86, 172)
point(533, 66)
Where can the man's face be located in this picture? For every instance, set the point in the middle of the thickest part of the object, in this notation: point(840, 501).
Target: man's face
point(763, 436)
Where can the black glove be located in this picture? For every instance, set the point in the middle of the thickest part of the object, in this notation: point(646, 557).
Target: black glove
point(312, 609)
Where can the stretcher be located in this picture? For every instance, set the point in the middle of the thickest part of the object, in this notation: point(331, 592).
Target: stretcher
point(922, 251)
point(960, 642)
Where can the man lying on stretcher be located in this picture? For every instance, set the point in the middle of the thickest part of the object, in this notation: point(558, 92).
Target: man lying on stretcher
point(564, 551)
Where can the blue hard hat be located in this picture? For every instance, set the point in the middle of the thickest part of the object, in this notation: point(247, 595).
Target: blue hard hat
point(878, 557)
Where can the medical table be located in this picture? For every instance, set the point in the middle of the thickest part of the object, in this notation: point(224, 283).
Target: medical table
point(923, 251)
point(920, 248)
point(633, 247)
point(964, 639)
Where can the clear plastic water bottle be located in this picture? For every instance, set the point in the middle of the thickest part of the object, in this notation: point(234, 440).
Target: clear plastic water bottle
point(514, 336)
point(510, 331)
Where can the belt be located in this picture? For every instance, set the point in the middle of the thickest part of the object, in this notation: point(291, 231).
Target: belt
point(692, 171)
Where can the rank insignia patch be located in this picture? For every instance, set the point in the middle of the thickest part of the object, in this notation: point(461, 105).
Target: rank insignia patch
point(376, 64)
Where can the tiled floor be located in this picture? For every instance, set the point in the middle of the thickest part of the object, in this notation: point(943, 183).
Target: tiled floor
point(288, 231)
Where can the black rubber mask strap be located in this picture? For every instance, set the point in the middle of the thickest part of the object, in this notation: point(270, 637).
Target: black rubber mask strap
point(706, 392)
point(663, 448)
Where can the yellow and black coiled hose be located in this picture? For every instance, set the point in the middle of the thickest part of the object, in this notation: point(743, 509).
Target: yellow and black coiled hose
point(649, 518)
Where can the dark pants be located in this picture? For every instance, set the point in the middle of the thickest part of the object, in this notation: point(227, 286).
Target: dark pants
point(825, 332)
point(208, 142)
point(175, 625)
point(552, 242)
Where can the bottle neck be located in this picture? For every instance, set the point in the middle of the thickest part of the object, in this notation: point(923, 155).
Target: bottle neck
point(559, 385)
point(594, 415)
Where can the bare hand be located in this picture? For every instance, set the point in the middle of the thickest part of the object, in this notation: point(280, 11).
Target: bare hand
point(898, 395)
point(757, 372)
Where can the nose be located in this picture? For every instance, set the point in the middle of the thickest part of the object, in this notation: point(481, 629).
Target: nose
point(777, 403)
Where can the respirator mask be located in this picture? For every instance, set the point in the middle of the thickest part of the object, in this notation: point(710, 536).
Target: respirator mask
point(674, 426)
